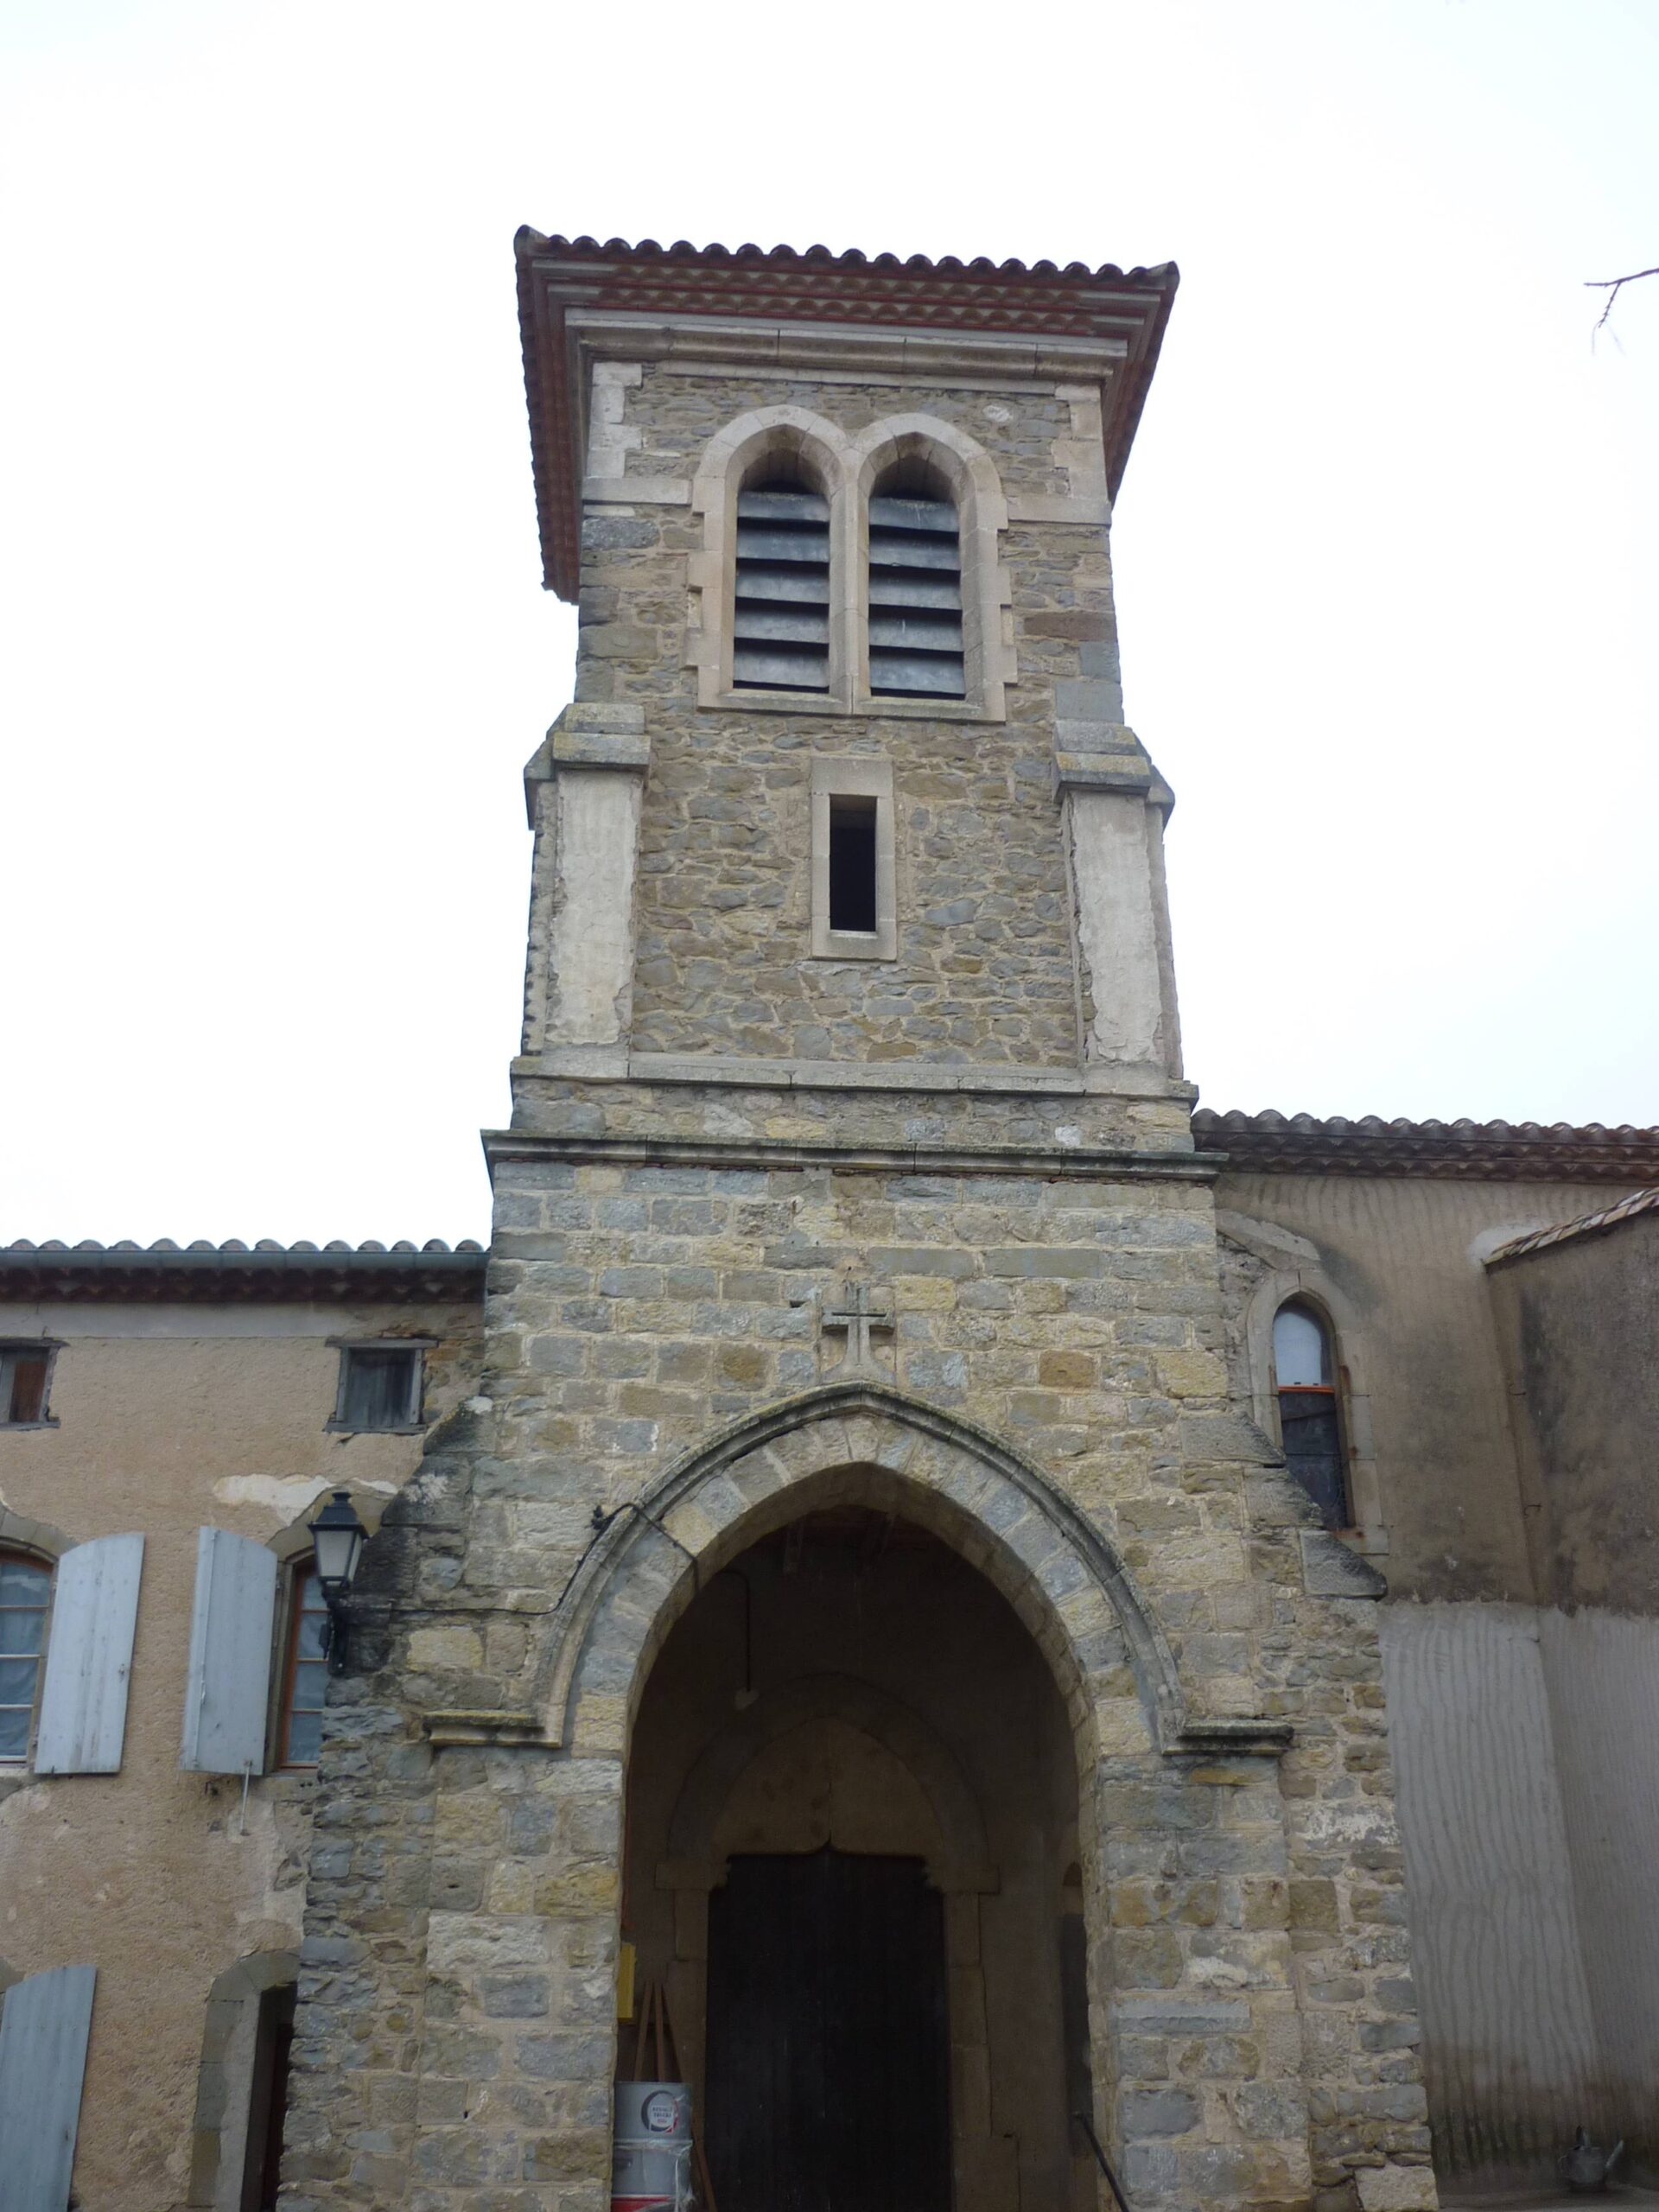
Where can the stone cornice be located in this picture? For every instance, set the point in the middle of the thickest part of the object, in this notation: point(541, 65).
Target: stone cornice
point(997, 1079)
point(1110, 319)
point(1056, 1162)
point(1494, 1152)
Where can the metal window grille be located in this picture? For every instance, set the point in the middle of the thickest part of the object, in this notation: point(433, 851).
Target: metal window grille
point(780, 622)
point(915, 597)
point(25, 1590)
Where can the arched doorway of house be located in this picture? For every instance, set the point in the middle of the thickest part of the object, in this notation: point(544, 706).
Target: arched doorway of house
point(851, 1862)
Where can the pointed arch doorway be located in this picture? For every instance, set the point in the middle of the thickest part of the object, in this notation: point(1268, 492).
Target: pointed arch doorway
point(852, 1818)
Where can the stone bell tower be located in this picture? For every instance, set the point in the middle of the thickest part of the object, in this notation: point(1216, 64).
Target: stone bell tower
point(851, 1628)
point(838, 531)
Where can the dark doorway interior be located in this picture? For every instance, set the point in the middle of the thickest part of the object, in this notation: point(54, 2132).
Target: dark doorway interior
point(268, 2099)
point(829, 2050)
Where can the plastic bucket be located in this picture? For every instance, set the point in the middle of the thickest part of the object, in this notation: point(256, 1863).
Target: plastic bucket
point(651, 2152)
point(652, 2112)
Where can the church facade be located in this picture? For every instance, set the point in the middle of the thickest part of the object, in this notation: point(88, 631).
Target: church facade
point(895, 1614)
point(849, 1235)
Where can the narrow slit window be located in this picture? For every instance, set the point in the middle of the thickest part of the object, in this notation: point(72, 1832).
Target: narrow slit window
point(1310, 1420)
point(25, 1592)
point(915, 606)
point(780, 618)
point(22, 1384)
point(852, 864)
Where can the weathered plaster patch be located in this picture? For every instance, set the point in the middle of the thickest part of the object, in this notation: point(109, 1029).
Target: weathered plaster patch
point(285, 1494)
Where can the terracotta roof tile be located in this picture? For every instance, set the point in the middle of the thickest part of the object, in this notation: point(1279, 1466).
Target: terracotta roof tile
point(780, 285)
point(1302, 1144)
point(1588, 1224)
point(235, 1270)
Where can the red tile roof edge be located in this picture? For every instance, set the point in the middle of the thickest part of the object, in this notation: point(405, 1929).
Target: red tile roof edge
point(1304, 1144)
point(1588, 1224)
point(1050, 292)
point(235, 1270)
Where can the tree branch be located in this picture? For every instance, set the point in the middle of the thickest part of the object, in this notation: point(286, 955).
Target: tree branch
point(1614, 286)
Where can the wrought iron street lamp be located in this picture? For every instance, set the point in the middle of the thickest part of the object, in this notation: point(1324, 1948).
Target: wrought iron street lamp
point(337, 1541)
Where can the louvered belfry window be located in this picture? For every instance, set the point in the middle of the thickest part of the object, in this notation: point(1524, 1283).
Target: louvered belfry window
point(780, 626)
point(915, 588)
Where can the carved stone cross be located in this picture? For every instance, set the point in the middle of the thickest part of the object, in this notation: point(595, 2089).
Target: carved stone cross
point(861, 1314)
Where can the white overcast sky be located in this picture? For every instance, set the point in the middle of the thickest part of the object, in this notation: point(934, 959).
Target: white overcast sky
point(275, 649)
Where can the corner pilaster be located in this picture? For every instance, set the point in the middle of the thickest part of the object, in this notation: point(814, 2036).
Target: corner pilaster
point(583, 789)
point(1115, 804)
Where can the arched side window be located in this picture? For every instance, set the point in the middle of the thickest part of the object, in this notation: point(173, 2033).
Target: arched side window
point(780, 609)
point(915, 586)
point(1309, 1415)
point(25, 1599)
point(304, 1673)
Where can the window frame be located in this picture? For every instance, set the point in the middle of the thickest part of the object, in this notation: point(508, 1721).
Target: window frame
point(945, 492)
point(1299, 1301)
point(31, 1347)
point(414, 1423)
point(860, 775)
point(13, 1768)
point(844, 466)
point(285, 1660)
point(760, 479)
point(989, 661)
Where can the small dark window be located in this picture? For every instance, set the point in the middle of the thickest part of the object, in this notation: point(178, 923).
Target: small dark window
point(379, 1387)
point(23, 1383)
point(780, 616)
point(915, 587)
point(1310, 1420)
point(852, 864)
point(25, 1592)
point(305, 1673)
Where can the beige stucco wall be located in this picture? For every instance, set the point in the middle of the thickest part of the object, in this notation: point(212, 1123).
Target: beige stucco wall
point(1403, 1259)
point(170, 1418)
point(1577, 1323)
point(1508, 1415)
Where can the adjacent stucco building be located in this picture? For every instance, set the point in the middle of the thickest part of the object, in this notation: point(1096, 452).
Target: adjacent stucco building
point(974, 1615)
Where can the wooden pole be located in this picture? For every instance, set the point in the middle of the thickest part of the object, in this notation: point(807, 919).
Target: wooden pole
point(696, 2133)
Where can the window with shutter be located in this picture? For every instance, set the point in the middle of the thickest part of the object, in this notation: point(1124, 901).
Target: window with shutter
point(305, 1672)
point(228, 1675)
point(83, 1718)
point(915, 580)
point(25, 1594)
point(43, 2034)
point(780, 615)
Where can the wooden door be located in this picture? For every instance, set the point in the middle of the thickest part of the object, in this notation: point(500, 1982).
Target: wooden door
point(827, 2080)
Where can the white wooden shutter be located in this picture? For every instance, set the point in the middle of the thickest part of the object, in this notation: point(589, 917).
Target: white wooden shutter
point(42, 2059)
point(89, 1657)
point(227, 1690)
